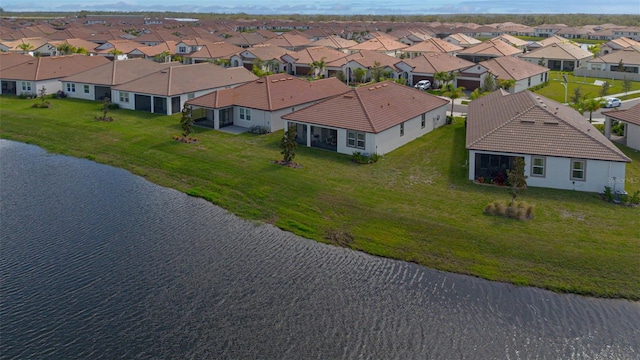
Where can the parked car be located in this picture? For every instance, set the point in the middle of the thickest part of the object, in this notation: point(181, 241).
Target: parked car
point(423, 85)
point(612, 103)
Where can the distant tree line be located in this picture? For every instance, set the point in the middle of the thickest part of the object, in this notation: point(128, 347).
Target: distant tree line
point(480, 19)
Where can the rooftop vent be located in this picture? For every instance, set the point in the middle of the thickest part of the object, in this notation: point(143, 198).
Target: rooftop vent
point(551, 122)
point(529, 121)
point(348, 96)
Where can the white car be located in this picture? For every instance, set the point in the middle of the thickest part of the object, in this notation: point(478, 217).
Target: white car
point(612, 103)
point(423, 85)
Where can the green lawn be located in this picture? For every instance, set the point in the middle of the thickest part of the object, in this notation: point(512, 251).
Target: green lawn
point(555, 90)
point(415, 204)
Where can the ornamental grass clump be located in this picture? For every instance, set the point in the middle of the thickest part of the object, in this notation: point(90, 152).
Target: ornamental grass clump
point(519, 211)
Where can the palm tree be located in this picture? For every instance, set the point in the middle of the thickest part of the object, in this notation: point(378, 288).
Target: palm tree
point(25, 47)
point(440, 77)
point(455, 93)
point(115, 52)
point(66, 48)
point(506, 83)
point(591, 105)
point(317, 67)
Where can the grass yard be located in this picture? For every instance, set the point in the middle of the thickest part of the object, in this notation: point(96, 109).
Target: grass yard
point(415, 204)
point(555, 89)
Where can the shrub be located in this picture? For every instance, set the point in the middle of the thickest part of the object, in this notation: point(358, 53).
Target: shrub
point(113, 106)
point(360, 158)
point(608, 193)
point(257, 129)
point(634, 199)
point(519, 211)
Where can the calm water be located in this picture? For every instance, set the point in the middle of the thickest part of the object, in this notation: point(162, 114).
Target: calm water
point(98, 263)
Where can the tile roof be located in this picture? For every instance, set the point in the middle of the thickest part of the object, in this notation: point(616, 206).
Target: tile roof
point(367, 59)
point(433, 63)
point(491, 48)
point(526, 123)
point(316, 53)
point(182, 79)
point(628, 56)
point(508, 67)
point(52, 67)
point(8, 60)
point(433, 45)
point(379, 44)
point(272, 93)
point(288, 41)
point(464, 40)
point(564, 51)
point(511, 40)
point(215, 50)
point(335, 42)
point(373, 108)
point(630, 115)
point(265, 52)
point(118, 72)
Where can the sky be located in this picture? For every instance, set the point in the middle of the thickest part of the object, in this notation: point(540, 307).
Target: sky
point(331, 7)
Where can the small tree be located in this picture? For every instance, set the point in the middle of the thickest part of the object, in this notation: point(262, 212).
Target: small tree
point(25, 47)
point(517, 179)
point(376, 72)
point(620, 66)
point(359, 74)
point(506, 84)
point(489, 83)
point(288, 144)
point(591, 105)
point(454, 94)
point(577, 94)
point(317, 67)
point(42, 93)
point(186, 121)
point(105, 108)
point(626, 85)
point(604, 90)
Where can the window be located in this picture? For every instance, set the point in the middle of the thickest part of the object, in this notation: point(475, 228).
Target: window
point(537, 166)
point(245, 114)
point(182, 49)
point(71, 87)
point(191, 96)
point(124, 97)
point(26, 86)
point(355, 139)
point(423, 122)
point(402, 129)
point(578, 170)
point(86, 89)
point(529, 82)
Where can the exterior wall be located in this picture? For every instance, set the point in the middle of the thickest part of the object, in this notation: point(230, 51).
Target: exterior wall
point(524, 84)
point(558, 173)
point(390, 139)
point(633, 135)
point(51, 86)
point(79, 93)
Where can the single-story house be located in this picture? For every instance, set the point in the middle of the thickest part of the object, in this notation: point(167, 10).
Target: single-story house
point(608, 66)
point(488, 50)
point(166, 91)
point(524, 74)
point(424, 67)
point(377, 118)
point(381, 44)
point(31, 76)
point(462, 40)
point(561, 150)
point(366, 60)
point(300, 61)
point(630, 118)
point(262, 102)
point(558, 56)
point(96, 83)
point(335, 42)
point(269, 56)
point(430, 46)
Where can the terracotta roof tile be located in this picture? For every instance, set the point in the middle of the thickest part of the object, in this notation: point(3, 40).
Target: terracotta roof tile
point(272, 92)
point(526, 123)
point(182, 79)
point(52, 67)
point(372, 108)
point(491, 48)
point(433, 45)
point(630, 115)
point(433, 63)
point(508, 67)
point(118, 72)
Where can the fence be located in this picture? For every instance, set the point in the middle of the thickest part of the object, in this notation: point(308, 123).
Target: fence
point(614, 75)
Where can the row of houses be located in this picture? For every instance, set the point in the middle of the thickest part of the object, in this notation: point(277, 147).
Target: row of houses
point(168, 28)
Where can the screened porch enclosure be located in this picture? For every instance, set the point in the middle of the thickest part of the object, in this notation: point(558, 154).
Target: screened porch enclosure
point(493, 167)
point(317, 137)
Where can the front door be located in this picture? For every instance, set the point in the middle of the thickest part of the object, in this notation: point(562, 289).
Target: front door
point(226, 117)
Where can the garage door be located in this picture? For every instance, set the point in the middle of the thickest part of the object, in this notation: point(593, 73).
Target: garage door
point(469, 84)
